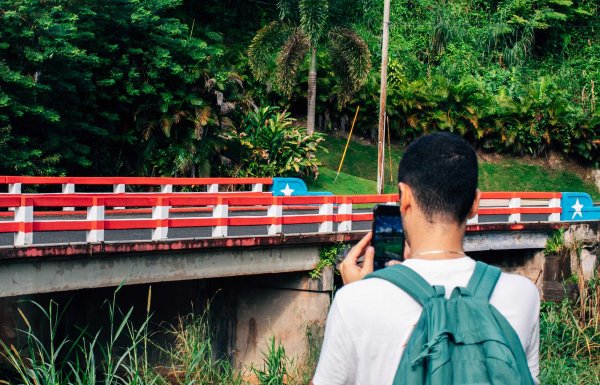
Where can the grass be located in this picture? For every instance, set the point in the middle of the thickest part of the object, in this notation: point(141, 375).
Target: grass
point(569, 351)
point(359, 173)
point(122, 359)
point(570, 339)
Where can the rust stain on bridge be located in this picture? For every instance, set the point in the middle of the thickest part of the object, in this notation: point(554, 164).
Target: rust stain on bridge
point(89, 249)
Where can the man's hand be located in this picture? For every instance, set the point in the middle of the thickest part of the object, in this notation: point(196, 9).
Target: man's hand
point(349, 268)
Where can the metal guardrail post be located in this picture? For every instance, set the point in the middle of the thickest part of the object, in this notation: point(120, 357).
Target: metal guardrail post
point(24, 215)
point(212, 188)
point(161, 214)
point(221, 211)
point(514, 203)
point(326, 208)
point(554, 203)
point(345, 209)
point(14, 188)
point(68, 188)
point(275, 210)
point(95, 214)
point(119, 189)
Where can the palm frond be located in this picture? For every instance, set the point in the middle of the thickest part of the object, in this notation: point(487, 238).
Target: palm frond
point(264, 47)
point(313, 18)
point(165, 125)
point(289, 60)
point(351, 62)
point(286, 9)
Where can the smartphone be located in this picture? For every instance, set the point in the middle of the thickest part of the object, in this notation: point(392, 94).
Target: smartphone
point(388, 235)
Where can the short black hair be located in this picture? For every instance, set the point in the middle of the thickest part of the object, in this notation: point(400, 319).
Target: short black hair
point(441, 170)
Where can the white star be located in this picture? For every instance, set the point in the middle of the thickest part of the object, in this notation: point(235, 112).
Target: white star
point(577, 207)
point(287, 191)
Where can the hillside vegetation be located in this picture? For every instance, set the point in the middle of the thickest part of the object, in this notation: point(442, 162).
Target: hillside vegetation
point(164, 87)
point(359, 172)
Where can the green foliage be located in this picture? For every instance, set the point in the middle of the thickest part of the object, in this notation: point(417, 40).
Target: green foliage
point(192, 359)
point(556, 243)
point(276, 366)
point(313, 18)
point(507, 174)
point(123, 358)
point(77, 77)
point(328, 256)
point(269, 144)
point(278, 50)
point(570, 343)
point(83, 360)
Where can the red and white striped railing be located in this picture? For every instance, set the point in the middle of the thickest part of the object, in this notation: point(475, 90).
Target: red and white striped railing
point(273, 212)
point(118, 185)
point(519, 206)
point(214, 211)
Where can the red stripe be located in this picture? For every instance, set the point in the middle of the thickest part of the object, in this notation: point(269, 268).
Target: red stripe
point(518, 210)
point(193, 222)
point(127, 224)
point(302, 219)
point(521, 194)
point(62, 225)
point(132, 180)
point(9, 227)
point(253, 221)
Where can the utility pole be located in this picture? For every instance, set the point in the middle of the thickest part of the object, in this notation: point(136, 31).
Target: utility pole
point(383, 97)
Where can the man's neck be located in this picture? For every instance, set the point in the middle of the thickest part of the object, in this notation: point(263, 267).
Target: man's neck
point(437, 238)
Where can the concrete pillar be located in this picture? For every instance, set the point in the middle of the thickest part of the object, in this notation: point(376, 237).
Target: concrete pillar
point(284, 307)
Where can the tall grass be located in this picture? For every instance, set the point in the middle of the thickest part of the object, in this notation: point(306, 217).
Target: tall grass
point(120, 358)
point(83, 360)
point(570, 338)
point(191, 359)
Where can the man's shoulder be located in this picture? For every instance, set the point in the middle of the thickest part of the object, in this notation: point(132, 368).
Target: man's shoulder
point(516, 290)
point(372, 294)
point(515, 284)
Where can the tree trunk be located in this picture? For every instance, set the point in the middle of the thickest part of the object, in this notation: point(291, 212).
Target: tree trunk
point(382, 99)
point(312, 92)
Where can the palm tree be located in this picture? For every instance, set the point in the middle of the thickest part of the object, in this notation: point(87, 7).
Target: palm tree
point(302, 28)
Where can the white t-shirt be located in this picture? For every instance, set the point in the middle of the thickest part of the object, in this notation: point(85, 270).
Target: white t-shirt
point(370, 322)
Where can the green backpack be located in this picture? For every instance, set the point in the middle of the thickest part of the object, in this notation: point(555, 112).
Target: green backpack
point(462, 340)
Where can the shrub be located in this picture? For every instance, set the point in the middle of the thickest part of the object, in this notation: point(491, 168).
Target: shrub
point(269, 144)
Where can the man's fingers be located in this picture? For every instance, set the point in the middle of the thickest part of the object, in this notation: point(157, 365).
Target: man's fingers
point(368, 263)
point(357, 250)
point(393, 262)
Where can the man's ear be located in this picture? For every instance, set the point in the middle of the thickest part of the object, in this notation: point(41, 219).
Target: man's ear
point(406, 197)
point(475, 206)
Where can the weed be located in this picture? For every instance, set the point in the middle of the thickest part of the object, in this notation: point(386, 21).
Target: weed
point(276, 366)
point(192, 359)
point(570, 338)
point(328, 256)
point(556, 243)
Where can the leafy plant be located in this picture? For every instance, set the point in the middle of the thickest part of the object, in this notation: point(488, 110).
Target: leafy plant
point(276, 364)
point(556, 243)
point(269, 144)
point(192, 359)
point(328, 256)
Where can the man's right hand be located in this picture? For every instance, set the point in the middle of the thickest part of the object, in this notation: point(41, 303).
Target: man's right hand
point(349, 268)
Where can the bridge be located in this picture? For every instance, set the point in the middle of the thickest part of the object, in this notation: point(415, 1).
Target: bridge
point(62, 234)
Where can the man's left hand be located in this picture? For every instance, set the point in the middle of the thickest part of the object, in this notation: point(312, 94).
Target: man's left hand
point(349, 268)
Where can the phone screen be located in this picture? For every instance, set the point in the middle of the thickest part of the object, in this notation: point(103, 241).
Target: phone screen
point(388, 235)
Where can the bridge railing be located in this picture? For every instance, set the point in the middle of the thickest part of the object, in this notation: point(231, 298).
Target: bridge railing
point(120, 185)
point(221, 212)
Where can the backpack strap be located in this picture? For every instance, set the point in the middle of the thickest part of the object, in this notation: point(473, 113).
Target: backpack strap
point(483, 281)
point(409, 281)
